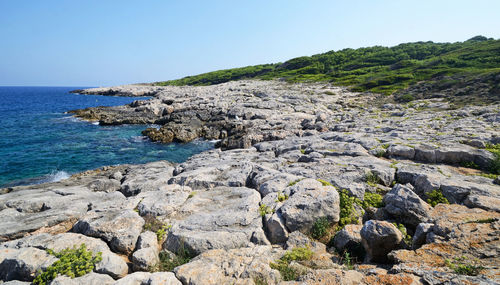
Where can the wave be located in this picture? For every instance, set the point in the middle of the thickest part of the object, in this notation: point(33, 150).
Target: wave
point(54, 176)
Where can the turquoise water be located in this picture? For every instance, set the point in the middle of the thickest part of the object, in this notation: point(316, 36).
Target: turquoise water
point(40, 143)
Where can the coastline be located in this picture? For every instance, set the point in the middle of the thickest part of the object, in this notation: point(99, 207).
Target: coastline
point(305, 142)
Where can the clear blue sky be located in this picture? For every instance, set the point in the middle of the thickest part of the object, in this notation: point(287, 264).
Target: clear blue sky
point(105, 42)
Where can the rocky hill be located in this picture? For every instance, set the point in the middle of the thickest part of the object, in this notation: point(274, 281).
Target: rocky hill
point(309, 184)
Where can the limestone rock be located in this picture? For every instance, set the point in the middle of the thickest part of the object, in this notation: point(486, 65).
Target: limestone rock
point(379, 238)
point(90, 278)
point(406, 206)
point(120, 228)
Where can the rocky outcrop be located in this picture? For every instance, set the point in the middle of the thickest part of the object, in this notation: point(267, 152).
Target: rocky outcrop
point(286, 152)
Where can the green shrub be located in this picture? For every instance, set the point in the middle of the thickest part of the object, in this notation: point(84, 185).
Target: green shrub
point(348, 213)
point(494, 167)
point(435, 197)
point(463, 266)
point(406, 237)
point(469, 164)
point(320, 228)
point(283, 264)
point(406, 98)
point(373, 200)
point(74, 262)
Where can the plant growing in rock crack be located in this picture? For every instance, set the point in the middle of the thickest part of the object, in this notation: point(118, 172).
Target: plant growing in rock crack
point(73, 262)
point(464, 266)
point(264, 209)
point(494, 166)
point(160, 234)
point(294, 182)
point(436, 197)
point(281, 197)
point(320, 228)
point(407, 239)
point(191, 195)
point(371, 179)
point(324, 182)
point(170, 261)
point(348, 213)
point(283, 264)
point(372, 200)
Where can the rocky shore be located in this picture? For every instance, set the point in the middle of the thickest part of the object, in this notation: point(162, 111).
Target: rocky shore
point(309, 184)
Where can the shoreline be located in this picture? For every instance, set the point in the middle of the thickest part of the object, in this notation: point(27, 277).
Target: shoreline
point(289, 156)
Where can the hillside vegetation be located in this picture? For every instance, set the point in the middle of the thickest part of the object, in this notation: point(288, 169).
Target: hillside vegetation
point(375, 69)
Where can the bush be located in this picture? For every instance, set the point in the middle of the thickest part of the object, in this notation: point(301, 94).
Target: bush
point(283, 264)
point(347, 209)
point(406, 237)
point(74, 262)
point(371, 179)
point(494, 167)
point(435, 197)
point(320, 228)
point(264, 209)
point(373, 200)
point(281, 197)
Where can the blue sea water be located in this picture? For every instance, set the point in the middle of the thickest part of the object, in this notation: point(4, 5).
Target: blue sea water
point(40, 143)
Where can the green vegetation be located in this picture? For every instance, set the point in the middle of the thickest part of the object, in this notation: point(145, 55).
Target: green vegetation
point(320, 228)
point(191, 195)
point(482, 221)
point(74, 262)
point(347, 260)
point(294, 182)
point(169, 262)
point(469, 164)
point(406, 237)
point(264, 209)
point(464, 266)
point(281, 197)
point(372, 200)
point(495, 164)
point(348, 213)
point(324, 182)
point(283, 264)
point(160, 234)
point(371, 179)
point(436, 197)
point(376, 69)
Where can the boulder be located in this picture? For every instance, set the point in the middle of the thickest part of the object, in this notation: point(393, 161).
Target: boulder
point(23, 264)
point(406, 206)
point(145, 258)
point(348, 238)
point(310, 200)
point(379, 238)
point(90, 278)
point(120, 228)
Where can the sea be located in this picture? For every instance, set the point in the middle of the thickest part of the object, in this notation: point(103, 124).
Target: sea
point(40, 142)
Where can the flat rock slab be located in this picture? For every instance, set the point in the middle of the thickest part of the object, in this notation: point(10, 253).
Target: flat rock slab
point(223, 217)
point(120, 228)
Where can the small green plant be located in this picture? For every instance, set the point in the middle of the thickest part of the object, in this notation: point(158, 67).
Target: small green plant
point(380, 153)
point(73, 262)
point(283, 264)
point(347, 261)
point(320, 228)
point(160, 234)
point(324, 182)
point(303, 151)
point(371, 179)
point(294, 182)
point(191, 195)
point(435, 197)
point(464, 266)
point(406, 237)
point(168, 262)
point(372, 200)
point(347, 209)
point(281, 197)
point(260, 281)
point(385, 146)
point(264, 209)
point(494, 166)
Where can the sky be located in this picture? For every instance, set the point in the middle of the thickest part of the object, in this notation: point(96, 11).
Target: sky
point(112, 42)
